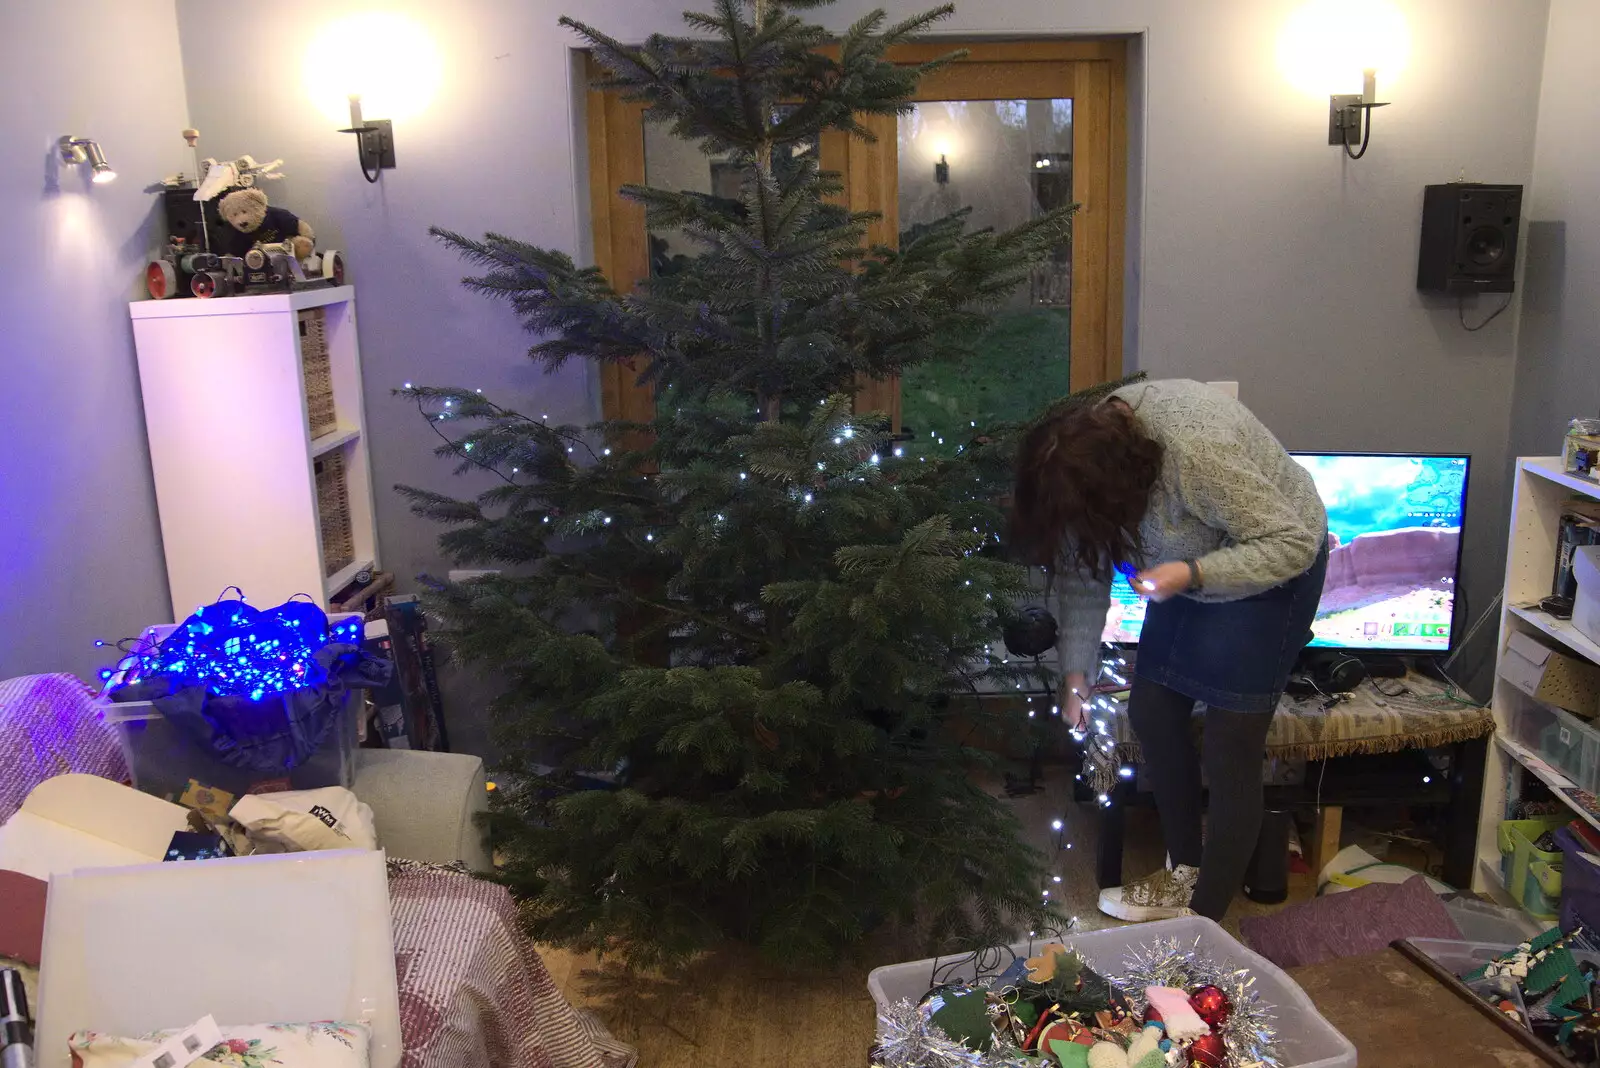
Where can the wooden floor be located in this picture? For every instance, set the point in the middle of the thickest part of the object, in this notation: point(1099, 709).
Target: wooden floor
point(732, 1010)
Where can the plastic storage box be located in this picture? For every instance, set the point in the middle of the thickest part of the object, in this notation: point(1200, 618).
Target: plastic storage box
point(1580, 883)
point(1541, 895)
point(1305, 1039)
point(1573, 746)
point(1516, 838)
point(163, 759)
point(1488, 923)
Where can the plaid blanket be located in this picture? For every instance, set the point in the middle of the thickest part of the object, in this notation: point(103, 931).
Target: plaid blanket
point(48, 727)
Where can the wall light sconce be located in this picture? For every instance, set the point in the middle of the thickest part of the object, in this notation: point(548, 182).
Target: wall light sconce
point(941, 171)
point(374, 141)
point(1350, 116)
point(75, 150)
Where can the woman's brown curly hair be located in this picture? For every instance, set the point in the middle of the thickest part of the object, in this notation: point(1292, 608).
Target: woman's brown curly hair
point(1084, 474)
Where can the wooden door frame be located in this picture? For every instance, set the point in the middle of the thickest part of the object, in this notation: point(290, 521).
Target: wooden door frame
point(1093, 70)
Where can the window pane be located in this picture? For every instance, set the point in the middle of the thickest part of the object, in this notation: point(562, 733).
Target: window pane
point(1006, 161)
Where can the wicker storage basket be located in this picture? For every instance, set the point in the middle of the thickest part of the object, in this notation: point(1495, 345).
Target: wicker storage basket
point(321, 417)
point(333, 512)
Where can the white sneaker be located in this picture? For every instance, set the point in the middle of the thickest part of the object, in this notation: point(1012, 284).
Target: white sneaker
point(1159, 896)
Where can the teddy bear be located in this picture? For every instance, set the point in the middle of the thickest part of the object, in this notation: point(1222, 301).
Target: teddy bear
point(251, 221)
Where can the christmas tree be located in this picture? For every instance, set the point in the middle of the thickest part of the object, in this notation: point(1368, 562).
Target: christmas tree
point(756, 613)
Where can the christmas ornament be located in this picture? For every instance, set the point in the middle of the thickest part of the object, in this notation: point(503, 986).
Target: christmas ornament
point(1207, 1052)
point(1032, 633)
point(1211, 1005)
point(1249, 1033)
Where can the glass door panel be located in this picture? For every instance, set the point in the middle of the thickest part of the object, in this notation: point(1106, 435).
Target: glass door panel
point(1003, 162)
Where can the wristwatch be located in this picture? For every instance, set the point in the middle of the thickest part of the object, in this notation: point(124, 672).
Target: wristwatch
point(1195, 578)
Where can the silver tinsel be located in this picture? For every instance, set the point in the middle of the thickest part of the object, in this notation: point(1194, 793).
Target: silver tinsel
point(1250, 1032)
point(907, 1039)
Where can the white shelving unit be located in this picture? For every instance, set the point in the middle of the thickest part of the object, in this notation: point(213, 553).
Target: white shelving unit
point(1539, 494)
point(237, 465)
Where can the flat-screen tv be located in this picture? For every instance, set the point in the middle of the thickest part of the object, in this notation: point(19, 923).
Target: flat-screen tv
point(1394, 522)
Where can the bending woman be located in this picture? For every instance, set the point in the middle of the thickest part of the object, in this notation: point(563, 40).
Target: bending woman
point(1180, 486)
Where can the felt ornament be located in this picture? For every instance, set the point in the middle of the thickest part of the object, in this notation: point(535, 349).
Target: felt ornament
point(1146, 1041)
point(1042, 969)
point(1182, 1022)
point(963, 1014)
point(1107, 1055)
point(1069, 1054)
point(1065, 1030)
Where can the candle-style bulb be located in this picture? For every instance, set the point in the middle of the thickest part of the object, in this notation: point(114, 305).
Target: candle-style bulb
point(1369, 86)
point(355, 111)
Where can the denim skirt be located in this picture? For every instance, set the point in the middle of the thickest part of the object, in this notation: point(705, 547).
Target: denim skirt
point(1235, 655)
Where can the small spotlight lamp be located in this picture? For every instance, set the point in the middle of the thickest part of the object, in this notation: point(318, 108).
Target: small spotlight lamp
point(75, 150)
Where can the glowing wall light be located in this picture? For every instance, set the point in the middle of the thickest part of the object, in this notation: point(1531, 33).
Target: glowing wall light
point(1341, 49)
point(371, 63)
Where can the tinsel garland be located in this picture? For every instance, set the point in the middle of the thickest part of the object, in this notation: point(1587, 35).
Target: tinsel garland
point(1250, 1032)
point(908, 1039)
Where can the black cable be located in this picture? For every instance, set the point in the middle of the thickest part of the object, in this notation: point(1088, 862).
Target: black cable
point(1366, 137)
point(1461, 313)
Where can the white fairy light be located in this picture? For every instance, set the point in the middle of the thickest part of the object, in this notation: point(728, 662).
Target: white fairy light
point(1056, 825)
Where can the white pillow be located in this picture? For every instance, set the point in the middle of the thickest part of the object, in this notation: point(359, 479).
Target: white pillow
point(298, 820)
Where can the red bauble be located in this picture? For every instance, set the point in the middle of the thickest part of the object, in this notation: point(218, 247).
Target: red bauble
point(1152, 1015)
point(1211, 1005)
point(1208, 1051)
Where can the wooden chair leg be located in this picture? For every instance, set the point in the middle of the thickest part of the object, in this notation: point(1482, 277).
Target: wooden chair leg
point(1325, 836)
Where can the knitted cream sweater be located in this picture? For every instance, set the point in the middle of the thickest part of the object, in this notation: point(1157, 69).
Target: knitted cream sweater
point(1229, 496)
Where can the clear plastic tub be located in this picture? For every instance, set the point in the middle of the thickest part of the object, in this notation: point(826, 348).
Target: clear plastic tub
point(1488, 923)
point(1573, 746)
point(163, 759)
point(1306, 1040)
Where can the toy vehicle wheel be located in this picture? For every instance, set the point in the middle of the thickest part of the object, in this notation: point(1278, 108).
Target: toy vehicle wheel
point(364, 577)
point(207, 284)
point(333, 267)
point(161, 280)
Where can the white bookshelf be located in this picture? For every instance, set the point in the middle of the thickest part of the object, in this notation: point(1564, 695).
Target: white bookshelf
point(1539, 493)
point(232, 450)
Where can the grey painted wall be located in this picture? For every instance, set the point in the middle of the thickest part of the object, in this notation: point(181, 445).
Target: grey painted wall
point(1262, 255)
point(80, 550)
point(1558, 372)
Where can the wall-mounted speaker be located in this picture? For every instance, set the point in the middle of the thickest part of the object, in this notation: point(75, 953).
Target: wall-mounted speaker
point(1469, 238)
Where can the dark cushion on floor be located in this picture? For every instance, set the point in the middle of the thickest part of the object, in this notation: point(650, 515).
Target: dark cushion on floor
point(1350, 924)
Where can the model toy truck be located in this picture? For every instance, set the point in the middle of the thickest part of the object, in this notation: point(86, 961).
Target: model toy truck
point(210, 252)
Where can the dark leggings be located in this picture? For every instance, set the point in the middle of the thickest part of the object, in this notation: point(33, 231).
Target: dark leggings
point(1235, 745)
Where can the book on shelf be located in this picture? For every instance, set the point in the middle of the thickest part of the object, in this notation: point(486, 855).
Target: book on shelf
point(1575, 530)
point(419, 680)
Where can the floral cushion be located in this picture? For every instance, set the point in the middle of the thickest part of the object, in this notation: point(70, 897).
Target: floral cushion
point(309, 1045)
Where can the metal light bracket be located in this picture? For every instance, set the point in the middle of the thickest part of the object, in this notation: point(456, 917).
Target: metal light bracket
point(374, 144)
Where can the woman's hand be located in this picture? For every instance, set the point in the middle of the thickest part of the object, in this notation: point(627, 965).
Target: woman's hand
point(1163, 581)
point(1073, 689)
